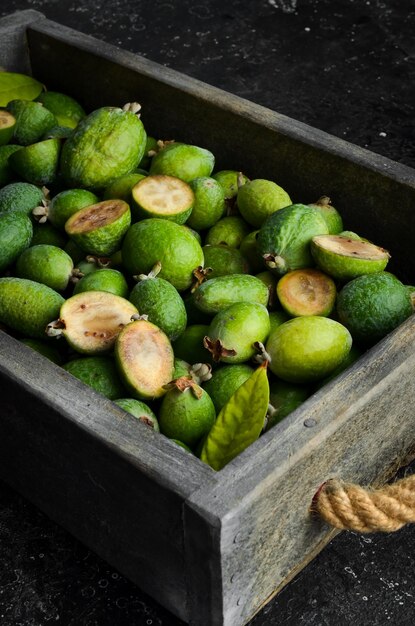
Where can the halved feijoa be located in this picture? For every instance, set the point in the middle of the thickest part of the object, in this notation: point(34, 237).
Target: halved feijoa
point(145, 359)
point(91, 321)
point(345, 258)
point(7, 124)
point(99, 228)
point(306, 292)
point(163, 196)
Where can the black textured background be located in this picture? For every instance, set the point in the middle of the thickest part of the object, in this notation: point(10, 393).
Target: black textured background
point(344, 66)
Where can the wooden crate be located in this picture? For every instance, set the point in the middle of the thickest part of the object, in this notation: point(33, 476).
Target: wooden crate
point(211, 547)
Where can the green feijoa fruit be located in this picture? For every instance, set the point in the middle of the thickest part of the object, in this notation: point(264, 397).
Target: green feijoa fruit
point(121, 189)
point(28, 306)
point(6, 172)
point(373, 305)
point(67, 111)
point(331, 215)
point(140, 410)
point(229, 231)
point(155, 240)
point(183, 161)
point(223, 260)
point(249, 250)
point(276, 318)
point(284, 238)
point(99, 228)
point(44, 348)
point(20, 197)
point(7, 124)
point(186, 413)
point(346, 259)
point(189, 346)
point(225, 381)
point(284, 399)
point(45, 264)
point(162, 196)
point(57, 132)
point(270, 280)
point(219, 293)
point(411, 292)
point(67, 203)
point(37, 163)
point(98, 372)
point(161, 302)
point(145, 359)
point(259, 199)
point(306, 292)
point(307, 349)
point(209, 203)
point(230, 181)
point(181, 368)
point(46, 233)
point(106, 144)
point(151, 149)
point(194, 233)
point(90, 321)
point(354, 354)
point(32, 121)
point(89, 265)
point(14, 86)
point(234, 332)
point(15, 236)
point(109, 280)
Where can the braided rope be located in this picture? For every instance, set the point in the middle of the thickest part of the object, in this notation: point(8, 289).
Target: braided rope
point(351, 507)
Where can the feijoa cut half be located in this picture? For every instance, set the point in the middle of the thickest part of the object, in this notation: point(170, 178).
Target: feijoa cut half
point(91, 321)
point(163, 196)
point(145, 359)
point(345, 258)
point(306, 292)
point(7, 124)
point(99, 228)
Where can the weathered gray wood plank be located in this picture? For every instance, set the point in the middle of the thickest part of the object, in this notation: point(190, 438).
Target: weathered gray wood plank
point(364, 423)
point(116, 485)
point(14, 55)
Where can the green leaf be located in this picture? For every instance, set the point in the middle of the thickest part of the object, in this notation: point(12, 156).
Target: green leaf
point(17, 87)
point(240, 421)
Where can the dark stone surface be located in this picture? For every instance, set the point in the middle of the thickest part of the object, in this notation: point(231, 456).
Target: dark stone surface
point(346, 67)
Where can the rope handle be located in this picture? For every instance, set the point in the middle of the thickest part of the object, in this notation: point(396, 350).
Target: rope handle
point(350, 507)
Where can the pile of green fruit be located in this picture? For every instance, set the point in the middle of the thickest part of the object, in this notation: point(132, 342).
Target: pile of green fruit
point(207, 305)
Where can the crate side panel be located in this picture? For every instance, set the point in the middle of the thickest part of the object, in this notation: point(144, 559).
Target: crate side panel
point(365, 187)
point(96, 471)
point(364, 430)
point(14, 54)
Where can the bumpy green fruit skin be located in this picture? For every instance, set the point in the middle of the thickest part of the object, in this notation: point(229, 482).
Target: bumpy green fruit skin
point(32, 120)
point(154, 240)
point(286, 235)
point(225, 381)
point(209, 204)
point(229, 231)
point(68, 202)
point(183, 161)
point(28, 306)
point(37, 163)
point(189, 346)
point(140, 410)
point(307, 349)
point(230, 181)
point(224, 260)
point(98, 372)
point(185, 417)
point(106, 144)
point(20, 196)
point(219, 293)
point(285, 398)
point(108, 280)
point(259, 199)
point(6, 172)
point(373, 305)
point(158, 299)
point(45, 264)
point(238, 328)
point(16, 233)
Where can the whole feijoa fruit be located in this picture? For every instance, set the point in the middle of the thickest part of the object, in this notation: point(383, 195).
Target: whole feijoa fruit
point(259, 199)
point(16, 232)
point(45, 264)
point(183, 161)
point(209, 203)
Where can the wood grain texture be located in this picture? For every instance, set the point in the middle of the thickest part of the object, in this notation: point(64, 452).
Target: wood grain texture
point(212, 547)
point(363, 425)
point(115, 484)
